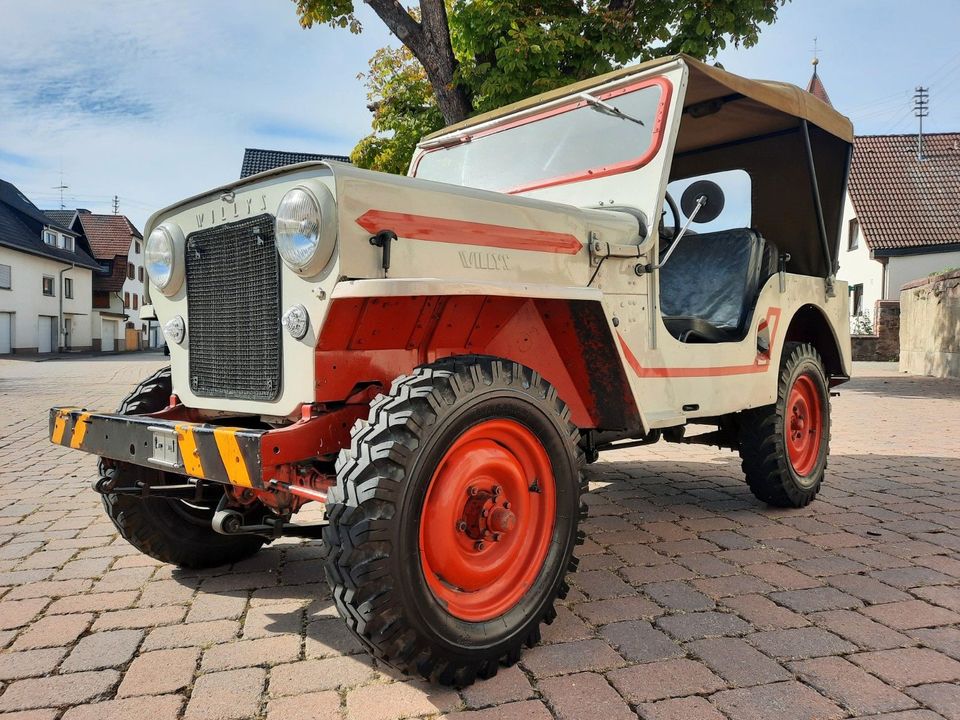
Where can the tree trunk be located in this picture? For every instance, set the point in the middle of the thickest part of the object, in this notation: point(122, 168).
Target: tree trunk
point(429, 41)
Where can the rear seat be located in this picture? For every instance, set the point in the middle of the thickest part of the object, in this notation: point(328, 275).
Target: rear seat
point(709, 286)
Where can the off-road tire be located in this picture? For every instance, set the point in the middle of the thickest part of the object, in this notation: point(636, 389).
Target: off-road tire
point(154, 525)
point(373, 561)
point(764, 452)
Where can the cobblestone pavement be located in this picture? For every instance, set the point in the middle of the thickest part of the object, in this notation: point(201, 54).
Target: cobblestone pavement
point(692, 600)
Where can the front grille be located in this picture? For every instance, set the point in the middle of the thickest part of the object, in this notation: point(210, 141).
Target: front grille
point(233, 300)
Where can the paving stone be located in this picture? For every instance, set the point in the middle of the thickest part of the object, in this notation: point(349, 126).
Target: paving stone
point(328, 638)
point(140, 618)
point(908, 577)
point(244, 653)
point(783, 701)
point(93, 602)
point(664, 679)
point(100, 650)
point(318, 675)
point(728, 586)
point(911, 614)
point(163, 707)
point(57, 690)
point(583, 696)
point(564, 658)
point(688, 708)
point(944, 698)
point(30, 663)
point(273, 620)
point(53, 630)
point(508, 685)
point(849, 685)
point(230, 695)
point(159, 672)
point(946, 640)
point(909, 666)
point(601, 584)
point(815, 599)
point(783, 576)
point(867, 588)
point(187, 635)
point(309, 706)
point(690, 626)
point(638, 641)
point(763, 613)
point(399, 700)
point(17, 613)
point(860, 630)
point(528, 710)
point(678, 596)
point(800, 643)
point(217, 606)
point(601, 612)
point(737, 662)
point(566, 627)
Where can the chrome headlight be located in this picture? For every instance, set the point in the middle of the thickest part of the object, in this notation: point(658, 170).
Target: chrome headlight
point(163, 257)
point(306, 228)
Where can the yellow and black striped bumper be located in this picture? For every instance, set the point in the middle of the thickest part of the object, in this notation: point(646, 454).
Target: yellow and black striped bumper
point(210, 452)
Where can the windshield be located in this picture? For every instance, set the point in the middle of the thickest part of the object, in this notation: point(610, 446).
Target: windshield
point(571, 142)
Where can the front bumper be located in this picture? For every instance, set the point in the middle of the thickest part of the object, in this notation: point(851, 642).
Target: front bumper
point(209, 452)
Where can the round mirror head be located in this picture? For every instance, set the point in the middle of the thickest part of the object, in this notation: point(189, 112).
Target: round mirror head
point(714, 200)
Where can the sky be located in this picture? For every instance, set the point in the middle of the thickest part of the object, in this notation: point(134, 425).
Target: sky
point(156, 101)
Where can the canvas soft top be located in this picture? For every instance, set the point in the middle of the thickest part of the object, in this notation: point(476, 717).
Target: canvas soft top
point(771, 105)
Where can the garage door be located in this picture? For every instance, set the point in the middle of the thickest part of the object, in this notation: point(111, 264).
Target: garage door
point(45, 334)
point(108, 335)
point(6, 334)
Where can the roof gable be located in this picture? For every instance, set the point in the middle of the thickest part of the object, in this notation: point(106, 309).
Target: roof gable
point(256, 160)
point(903, 202)
point(108, 235)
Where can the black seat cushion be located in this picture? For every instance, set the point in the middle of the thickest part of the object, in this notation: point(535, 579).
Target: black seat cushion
point(709, 285)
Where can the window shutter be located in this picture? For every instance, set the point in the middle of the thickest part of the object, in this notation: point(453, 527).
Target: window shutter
point(5, 277)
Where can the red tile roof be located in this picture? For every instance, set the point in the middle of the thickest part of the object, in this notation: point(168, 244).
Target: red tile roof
point(902, 202)
point(114, 281)
point(109, 235)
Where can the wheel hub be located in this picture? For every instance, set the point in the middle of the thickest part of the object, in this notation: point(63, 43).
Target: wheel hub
point(805, 425)
point(486, 514)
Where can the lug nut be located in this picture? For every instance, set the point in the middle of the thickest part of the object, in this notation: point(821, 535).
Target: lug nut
point(461, 526)
point(472, 490)
point(484, 513)
point(506, 505)
point(497, 489)
point(496, 537)
point(480, 545)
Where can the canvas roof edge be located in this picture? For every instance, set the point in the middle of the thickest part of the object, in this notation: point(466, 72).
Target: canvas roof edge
point(784, 97)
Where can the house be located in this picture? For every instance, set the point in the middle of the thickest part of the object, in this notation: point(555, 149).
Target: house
point(257, 161)
point(901, 215)
point(46, 279)
point(118, 290)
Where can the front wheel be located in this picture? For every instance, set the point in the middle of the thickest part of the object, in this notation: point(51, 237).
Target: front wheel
point(454, 517)
point(784, 446)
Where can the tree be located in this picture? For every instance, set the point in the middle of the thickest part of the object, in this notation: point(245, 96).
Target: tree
point(466, 56)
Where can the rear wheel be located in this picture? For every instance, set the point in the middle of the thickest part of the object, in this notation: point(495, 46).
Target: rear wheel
point(170, 530)
point(784, 446)
point(454, 518)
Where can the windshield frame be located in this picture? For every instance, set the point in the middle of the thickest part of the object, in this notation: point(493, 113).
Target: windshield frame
point(566, 105)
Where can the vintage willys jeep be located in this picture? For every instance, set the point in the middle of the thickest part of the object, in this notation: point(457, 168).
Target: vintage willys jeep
point(435, 357)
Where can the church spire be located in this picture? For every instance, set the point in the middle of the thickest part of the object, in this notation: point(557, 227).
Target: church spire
point(815, 86)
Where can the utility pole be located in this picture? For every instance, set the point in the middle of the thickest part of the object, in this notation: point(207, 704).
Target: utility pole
point(921, 109)
point(116, 205)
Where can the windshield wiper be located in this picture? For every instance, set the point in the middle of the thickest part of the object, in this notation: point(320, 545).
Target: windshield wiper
point(606, 108)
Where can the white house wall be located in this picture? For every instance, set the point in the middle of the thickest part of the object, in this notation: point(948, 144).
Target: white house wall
point(26, 300)
point(906, 268)
point(856, 266)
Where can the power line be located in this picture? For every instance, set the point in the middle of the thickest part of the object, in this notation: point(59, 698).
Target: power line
point(921, 109)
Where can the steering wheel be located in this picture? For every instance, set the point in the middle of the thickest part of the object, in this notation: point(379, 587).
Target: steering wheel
point(674, 210)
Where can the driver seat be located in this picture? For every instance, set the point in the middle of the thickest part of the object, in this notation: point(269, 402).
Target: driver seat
point(709, 286)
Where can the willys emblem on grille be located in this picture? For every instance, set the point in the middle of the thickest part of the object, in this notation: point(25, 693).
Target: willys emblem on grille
point(232, 208)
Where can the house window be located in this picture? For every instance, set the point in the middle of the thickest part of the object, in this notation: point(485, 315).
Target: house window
point(66, 242)
point(68, 287)
point(853, 234)
point(126, 300)
point(856, 299)
point(130, 274)
point(5, 277)
point(136, 303)
point(140, 274)
point(136, 247)
point(48, 286)
point(50, 238)
point(101, 299)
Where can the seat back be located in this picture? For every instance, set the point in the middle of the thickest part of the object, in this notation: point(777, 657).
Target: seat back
point(715, 277)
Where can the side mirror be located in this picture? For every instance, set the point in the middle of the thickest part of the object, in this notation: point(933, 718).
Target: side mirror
point(708, 190)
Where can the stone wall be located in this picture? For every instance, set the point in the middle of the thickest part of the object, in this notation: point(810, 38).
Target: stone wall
point(884, 344)
point(930, 326)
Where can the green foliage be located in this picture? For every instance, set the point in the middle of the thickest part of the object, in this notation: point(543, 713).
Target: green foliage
point(511, 49)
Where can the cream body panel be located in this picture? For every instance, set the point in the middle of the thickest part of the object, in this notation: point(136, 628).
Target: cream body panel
point(254, 196)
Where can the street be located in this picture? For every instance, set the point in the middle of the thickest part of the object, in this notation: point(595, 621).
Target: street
point(692, 600)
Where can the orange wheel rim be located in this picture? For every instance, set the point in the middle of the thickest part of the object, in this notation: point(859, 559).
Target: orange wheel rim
point(803, 425)
point(487, 520)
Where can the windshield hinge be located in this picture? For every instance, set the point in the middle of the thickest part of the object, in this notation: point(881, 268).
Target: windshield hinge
point(600, 249)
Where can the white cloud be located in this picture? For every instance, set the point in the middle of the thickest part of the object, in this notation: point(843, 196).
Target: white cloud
point(156, 101)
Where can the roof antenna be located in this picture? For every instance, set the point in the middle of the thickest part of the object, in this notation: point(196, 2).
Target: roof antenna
point(816, 60)
point(921, 109)
point(61, 187)
point(116, 204)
